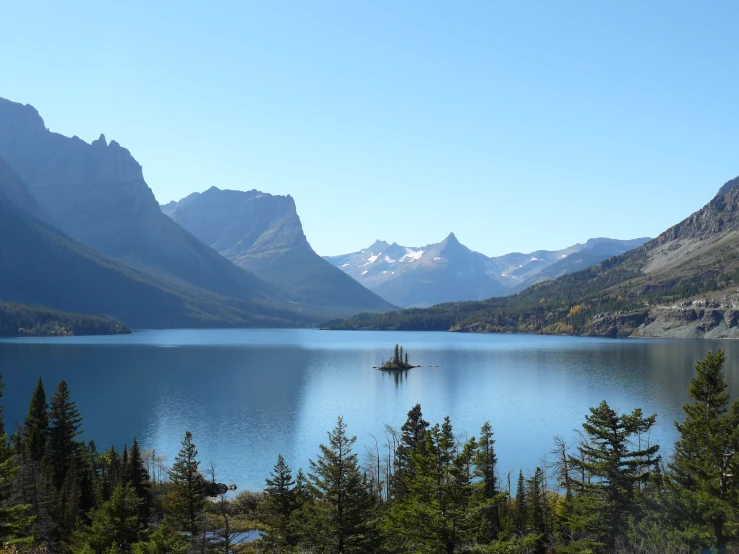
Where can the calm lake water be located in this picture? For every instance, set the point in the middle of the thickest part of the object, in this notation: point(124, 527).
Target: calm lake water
point(248, 395)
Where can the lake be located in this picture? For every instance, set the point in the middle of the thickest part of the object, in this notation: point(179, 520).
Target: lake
point(248, 395)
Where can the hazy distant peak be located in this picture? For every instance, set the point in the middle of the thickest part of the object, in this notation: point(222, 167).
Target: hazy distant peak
point(378, 245)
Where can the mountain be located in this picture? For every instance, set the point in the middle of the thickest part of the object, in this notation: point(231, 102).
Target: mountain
point(450, 272)
point(39, 265)
point(681, 284)
point(96, 194)
point(263, 234)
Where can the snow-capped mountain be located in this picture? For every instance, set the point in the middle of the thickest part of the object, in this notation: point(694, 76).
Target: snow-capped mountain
point(449, 271)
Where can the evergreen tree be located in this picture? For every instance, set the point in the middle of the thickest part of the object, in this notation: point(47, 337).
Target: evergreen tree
point(36, 425)
point(522, 507)
point(15, 523)
point(63, 430)
point(69, 500)
point(344, 504)
point(115, 527)
point(135, 473)
point(186, 500)
point(706, 463)
point(280, 498)
point(437, 512)
point(488, 494)
point(412, 433)
point(614, 467)
point(535, 501)
point(396, 355)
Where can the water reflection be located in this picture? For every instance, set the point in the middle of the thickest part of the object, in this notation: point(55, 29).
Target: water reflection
point(249, 395)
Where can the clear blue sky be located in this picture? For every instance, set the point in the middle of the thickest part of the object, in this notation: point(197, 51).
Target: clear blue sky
point(517, 125)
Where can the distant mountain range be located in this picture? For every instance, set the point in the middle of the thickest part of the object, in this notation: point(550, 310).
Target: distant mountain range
point(681, 284)
point(262, 233)
point(450, 272)
point(84, 233)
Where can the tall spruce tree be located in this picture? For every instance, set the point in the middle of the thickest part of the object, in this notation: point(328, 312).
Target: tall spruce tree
point(134, 472)
point(437, 513)
point(280, 499)
point(489, 496)
point(64, 428)
point(186, 500)
point(344, 504)
point(522, 506)
point(36, 424)
point(412, 433)
point(614, 465)
point(705, 470)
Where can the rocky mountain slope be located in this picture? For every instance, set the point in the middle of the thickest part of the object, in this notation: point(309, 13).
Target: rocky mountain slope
point(450, 272)
point(263, 234)
point(96, 194)
point(39, 265)
point(682, 283)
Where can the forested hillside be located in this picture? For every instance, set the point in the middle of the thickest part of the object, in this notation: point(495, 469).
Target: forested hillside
point(697, 257)
point(17, 320)
point(426, 489)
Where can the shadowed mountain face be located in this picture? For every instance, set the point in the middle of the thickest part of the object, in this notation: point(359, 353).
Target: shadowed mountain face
point(263, 234)
point(449, 271)
point(41, 266)
point(96, 194)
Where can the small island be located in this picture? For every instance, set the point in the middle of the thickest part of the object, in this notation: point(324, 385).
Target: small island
point(397, 362)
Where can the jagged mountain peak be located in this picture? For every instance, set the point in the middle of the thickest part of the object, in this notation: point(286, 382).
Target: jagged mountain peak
point(378, 246)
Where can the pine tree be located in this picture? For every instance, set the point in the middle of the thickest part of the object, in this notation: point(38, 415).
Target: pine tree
point(614, 467)
point(396, 355)
point(135, 473)
point(344, 504)
point(437, 513)
point(186, 500)
point(115, 527)
point(522, 507)
point(63, 430)
point(69, 500)
point(411, 434)
point(34, 480)
point(488, 494)
point(36, 425)
point(535, 500)
point(706, 461)
point(15, 523)
point(280, 500)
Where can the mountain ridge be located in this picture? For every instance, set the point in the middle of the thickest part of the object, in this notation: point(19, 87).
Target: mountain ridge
point(263, 233)
point(448, 271)
point(680, 284)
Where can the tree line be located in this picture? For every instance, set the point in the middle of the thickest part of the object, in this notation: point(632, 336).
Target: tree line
point(18, 320)
point(426, 489)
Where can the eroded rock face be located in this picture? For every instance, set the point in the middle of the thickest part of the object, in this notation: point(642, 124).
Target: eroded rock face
point(702, 318)
point(616, 325)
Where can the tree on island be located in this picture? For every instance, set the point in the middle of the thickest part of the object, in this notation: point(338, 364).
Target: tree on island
point(398, 361)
